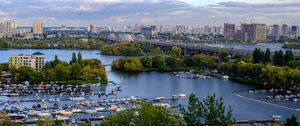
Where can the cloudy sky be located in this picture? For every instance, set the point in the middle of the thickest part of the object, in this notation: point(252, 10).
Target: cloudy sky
point(129, 12)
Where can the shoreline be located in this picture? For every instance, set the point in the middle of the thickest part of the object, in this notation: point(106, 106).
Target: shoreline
point(265, 102)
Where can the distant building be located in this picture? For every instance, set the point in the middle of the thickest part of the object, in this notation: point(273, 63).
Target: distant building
point(181, 29)
point(284, 30)
point(207, 30)
point(229, 30)
point(24, 30)
point(36, 61)
point(276, 32)
point(92, 28)
point(253, 32)
point(295, 31)
point(149, 30)
point(11, 27)
point(37, 27)
point(166, 29)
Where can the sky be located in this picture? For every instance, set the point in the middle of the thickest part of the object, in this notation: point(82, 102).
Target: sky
point(128, 12)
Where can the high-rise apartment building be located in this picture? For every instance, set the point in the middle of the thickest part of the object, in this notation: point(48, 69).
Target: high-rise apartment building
point(295, 31)
point(92, 28)
point(284, 29)
point(149, 30)
point(11, 27)
point(276, 32)
point(37, 27)
point(253, 32)
point(36, 61)
point(229, 30)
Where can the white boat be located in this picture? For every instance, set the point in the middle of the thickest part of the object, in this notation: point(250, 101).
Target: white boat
point(77, 111)
point(113, 108)
point(160, 98)
point(295, 100)
point(101, 117)
point(120, 109)
point(225, 77)
point(66, 113)
point(43, 114)
point(90, 111)
point(32, 113)
point(63, 112)
point(99, 109)
point(62, 117)
point(166, 105)
point(15, 116)
point(182, 95)
point(78, 99)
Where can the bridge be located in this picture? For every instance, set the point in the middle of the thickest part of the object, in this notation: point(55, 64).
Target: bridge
point(191, 49)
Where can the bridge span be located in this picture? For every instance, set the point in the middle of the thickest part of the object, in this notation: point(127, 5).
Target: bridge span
point(190, 49)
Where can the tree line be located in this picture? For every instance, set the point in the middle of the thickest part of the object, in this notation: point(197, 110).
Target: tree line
point(279, 58)
point(129, 49)
point(57, 70)
point(52, 43)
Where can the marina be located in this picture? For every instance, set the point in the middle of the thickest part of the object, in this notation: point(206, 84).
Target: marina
point(80, 107)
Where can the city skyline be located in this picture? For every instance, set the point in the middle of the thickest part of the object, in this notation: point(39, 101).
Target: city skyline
point(121, 13)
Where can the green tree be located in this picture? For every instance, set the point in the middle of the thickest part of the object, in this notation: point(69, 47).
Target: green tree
point(56, 58)
point(289, 56)
point(147, 62)
point(26, 73)
point(267, 56)
point(156, 51)
point(75, 71)
point(159, 62)
point(79, 60)
point(278, 58)
point(209, 111)
point(291, 121)
point(257, 55)
point(74, 59)
point(224, 56)
point(203, 61)
point(175, 52)
point(146, 115)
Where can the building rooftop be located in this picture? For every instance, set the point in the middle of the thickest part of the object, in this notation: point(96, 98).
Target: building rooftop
point(37, 53)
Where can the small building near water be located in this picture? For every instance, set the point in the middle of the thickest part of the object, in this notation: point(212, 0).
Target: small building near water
point(35, 60)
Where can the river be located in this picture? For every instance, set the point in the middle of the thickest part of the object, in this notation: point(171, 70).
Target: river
point(154, 84)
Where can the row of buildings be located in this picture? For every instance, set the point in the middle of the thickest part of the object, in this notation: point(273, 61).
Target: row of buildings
point(254, 32)
point(10, 28)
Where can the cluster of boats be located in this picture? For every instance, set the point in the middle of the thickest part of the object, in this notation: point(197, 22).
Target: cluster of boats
point(69, 112)
point(50, 89)
point(192, 75)
point(279, 95)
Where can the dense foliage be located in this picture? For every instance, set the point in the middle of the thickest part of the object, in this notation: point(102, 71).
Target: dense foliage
point(164, 63)
point(291, 46)
point(52, 43)
point(279, 58)
point(291, 121)
point(82, 70)
point(210, 111)
point(265, 75)
point(145, 115)
point(124, 49)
